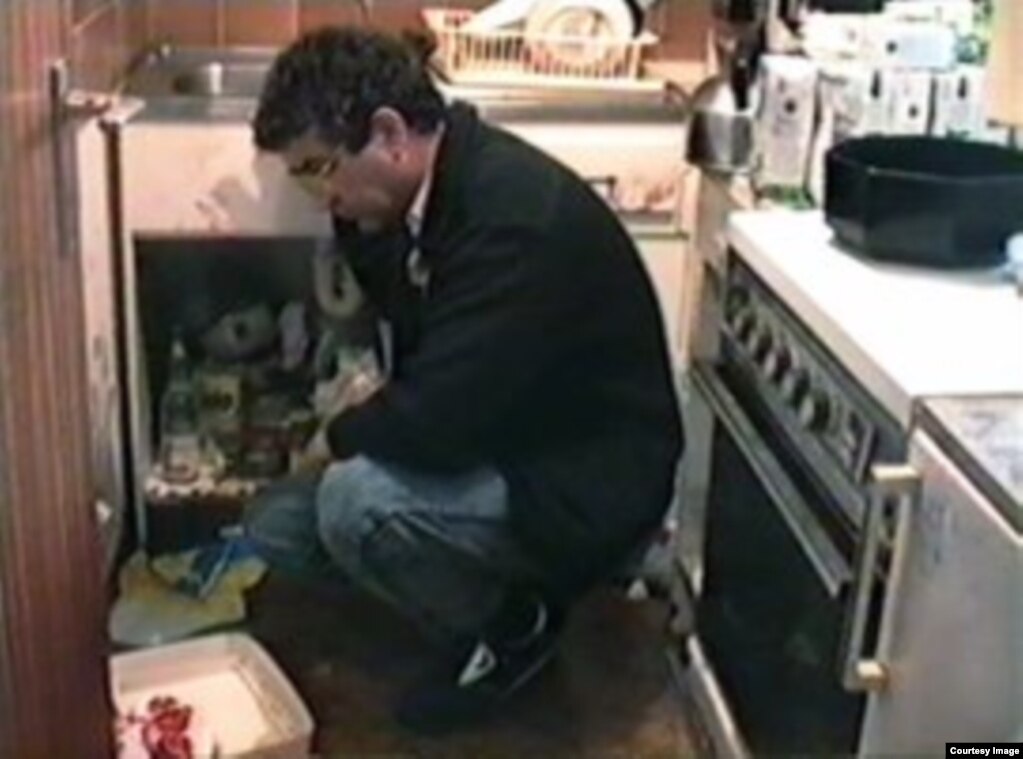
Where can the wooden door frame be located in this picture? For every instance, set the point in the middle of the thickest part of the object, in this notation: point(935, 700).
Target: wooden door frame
point(54, 693)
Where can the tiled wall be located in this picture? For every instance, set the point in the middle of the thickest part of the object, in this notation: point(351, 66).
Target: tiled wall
point(103, 36)
point(106, 33)
point(682, 26)
point(274, 22)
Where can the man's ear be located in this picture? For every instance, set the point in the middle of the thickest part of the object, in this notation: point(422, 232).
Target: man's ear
point(389, 131)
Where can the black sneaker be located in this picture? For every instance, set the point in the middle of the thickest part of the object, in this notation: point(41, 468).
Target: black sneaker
point(486, 676)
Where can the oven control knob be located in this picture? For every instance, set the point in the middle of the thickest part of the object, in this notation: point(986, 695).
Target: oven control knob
point(752, 335)
point(762, 346)
point(743, 324)
point(778, 363)
point(796, 386)
point(815, 411)
point(737, 301)
point(854, 434)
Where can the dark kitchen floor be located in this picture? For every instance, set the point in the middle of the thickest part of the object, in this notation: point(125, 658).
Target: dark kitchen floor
point(609, 693)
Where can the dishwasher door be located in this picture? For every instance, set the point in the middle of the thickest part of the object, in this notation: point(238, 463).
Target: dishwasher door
point(953, 635)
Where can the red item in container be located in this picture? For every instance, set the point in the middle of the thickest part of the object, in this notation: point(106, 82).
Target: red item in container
point(164, 733)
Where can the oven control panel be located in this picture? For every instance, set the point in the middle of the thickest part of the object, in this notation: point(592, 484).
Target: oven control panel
point(793, 377)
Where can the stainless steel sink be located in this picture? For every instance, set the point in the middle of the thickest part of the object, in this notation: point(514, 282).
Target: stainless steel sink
point(190, 83)
point(216, 79)
point(199, 73)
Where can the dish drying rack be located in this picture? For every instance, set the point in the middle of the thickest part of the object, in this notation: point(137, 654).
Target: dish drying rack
point(514, 58)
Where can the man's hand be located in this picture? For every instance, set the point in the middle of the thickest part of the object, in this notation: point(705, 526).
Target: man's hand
point(347, 390)
point(360, 389)
point(317, 456)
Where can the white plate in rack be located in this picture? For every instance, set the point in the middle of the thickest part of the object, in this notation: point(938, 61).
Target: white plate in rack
point(501, 14)
point(580, 33)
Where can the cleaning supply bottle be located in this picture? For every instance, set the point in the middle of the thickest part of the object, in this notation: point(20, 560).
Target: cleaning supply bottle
point(180, 439)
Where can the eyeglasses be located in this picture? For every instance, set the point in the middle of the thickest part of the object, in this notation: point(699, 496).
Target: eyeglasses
point(313, 174)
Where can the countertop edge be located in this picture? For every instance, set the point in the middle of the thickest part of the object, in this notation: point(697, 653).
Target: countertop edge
point(241, 109)
point(930, 421)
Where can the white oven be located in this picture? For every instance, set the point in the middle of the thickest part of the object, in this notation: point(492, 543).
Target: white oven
point(789, 576)
point(827, 541)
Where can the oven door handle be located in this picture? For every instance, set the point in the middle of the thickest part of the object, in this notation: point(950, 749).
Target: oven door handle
point(893, 493)
point(832, 568)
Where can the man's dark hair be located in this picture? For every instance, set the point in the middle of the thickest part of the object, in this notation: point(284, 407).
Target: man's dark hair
point(334, 79)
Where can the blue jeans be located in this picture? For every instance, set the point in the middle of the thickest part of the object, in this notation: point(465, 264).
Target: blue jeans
point(438, 549)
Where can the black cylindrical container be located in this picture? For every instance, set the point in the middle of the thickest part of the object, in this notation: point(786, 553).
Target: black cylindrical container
point(927, 201)
point(847, 6)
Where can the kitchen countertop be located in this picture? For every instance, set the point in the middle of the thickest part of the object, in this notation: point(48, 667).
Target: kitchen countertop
point(984, 436)
point(666, 109)
point(905, 333)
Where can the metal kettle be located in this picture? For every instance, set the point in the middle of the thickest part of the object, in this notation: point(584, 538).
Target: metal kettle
point(722, 126)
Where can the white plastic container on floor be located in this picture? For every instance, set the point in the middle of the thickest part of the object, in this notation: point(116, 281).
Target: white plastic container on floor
point(251, 708)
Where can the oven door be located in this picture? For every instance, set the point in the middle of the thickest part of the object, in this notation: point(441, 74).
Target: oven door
point(766, 660)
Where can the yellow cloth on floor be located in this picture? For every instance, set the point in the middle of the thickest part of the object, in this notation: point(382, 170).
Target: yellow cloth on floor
point(150, 611)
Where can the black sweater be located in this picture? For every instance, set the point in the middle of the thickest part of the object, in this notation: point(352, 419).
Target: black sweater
point(536, 347)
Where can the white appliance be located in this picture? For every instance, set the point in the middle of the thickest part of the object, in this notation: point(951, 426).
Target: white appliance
point(912, 45)
point(799, 497)
point(953, 635)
